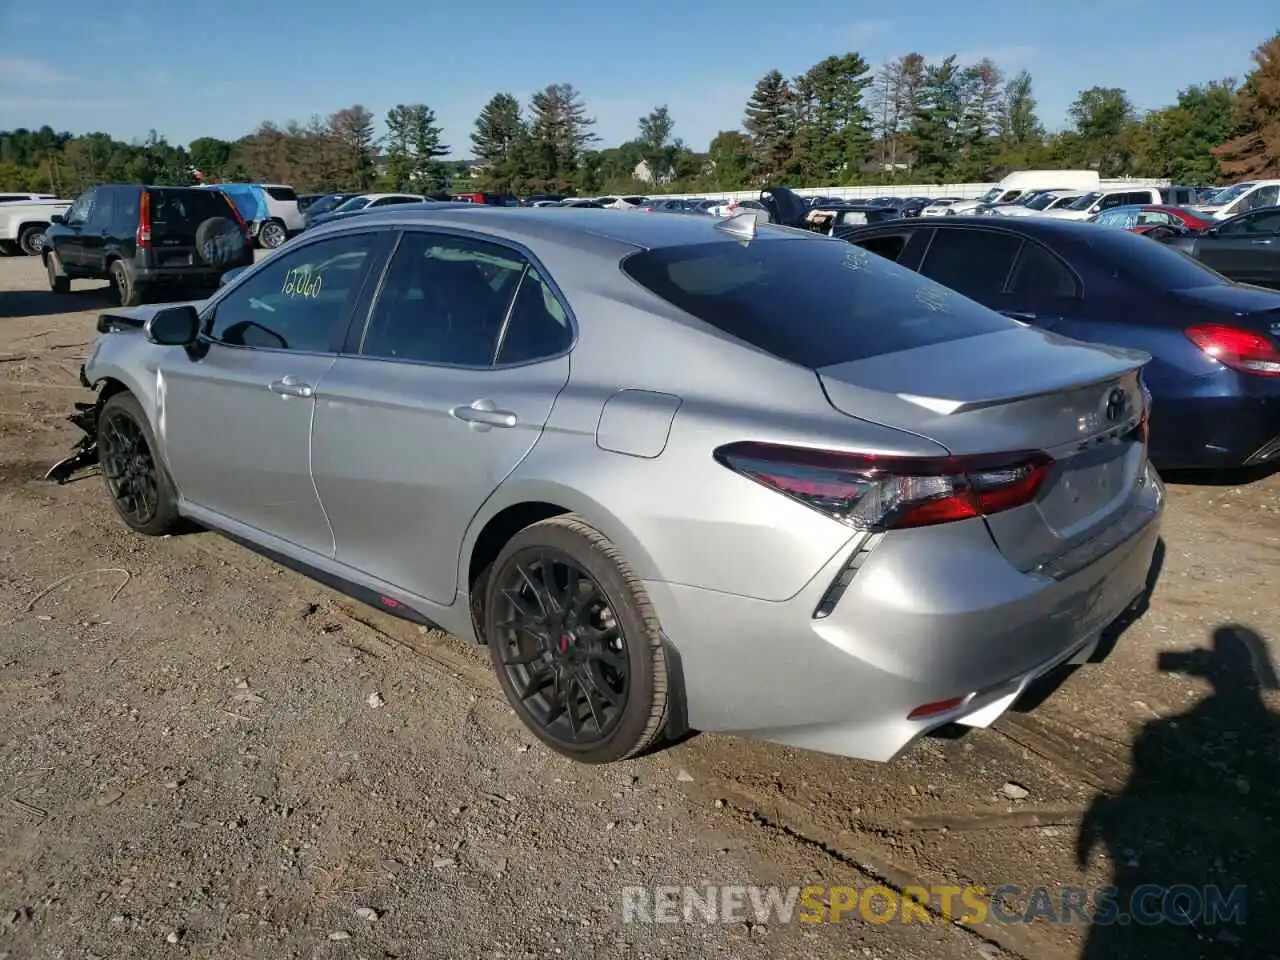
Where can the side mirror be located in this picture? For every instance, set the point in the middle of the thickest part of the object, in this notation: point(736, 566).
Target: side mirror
point(231, 275)
point(173, 326)
point(58, 219)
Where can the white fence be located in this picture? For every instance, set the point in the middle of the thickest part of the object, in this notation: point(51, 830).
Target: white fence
point(965, 191)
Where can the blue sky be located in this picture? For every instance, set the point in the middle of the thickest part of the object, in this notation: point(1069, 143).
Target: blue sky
point(133, 65)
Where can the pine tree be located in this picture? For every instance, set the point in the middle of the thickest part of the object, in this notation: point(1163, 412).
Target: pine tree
point(937, 118)
point(499, 144)
point(559, 132)
point(352, 128)
point(771, 123)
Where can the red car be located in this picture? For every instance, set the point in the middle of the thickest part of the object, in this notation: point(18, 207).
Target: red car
point(1164, 216)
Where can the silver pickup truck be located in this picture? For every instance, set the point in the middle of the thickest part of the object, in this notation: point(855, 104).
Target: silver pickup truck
point(23, 223)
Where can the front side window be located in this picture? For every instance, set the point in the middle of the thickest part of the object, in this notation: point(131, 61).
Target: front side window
point(79, 210)
point(443, 300)
point(298, 301)
point(1264, 221)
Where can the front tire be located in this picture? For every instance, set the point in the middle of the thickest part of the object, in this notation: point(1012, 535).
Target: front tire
point(31, 241)
point(576, 642)
point(59, 282)
point(137, 482)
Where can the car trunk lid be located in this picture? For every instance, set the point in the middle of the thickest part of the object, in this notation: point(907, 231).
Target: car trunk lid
point(1018, 390)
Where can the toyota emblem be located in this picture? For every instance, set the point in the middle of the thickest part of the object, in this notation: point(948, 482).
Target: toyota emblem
point(1117, 405)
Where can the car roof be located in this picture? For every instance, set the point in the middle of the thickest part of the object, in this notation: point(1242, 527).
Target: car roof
point(1047, 227)
point(566, 224)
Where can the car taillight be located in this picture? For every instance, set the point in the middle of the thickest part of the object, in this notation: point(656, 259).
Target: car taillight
point(143, 236)
point(1242, 350)
point(873, 492)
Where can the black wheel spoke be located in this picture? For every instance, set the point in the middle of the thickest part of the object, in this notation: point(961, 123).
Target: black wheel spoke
point(129, 467)
point(560, 645)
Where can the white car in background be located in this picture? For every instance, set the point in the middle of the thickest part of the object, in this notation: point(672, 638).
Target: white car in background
point(1041, 204)
point(1241, 198)
point(939, 207)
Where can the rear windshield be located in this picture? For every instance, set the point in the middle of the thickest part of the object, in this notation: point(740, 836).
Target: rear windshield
point(281, 193)
point(177, 205)
point(1148, 264)
point(810, 302)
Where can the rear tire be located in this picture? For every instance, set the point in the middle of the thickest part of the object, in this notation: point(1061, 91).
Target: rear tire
point(137, 482)
point(272, 234)
point(59, 282)
point(596, 632)
point(31, 241)
point(128, 291)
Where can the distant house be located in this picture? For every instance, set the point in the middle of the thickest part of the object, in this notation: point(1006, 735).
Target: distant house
point(645, 174)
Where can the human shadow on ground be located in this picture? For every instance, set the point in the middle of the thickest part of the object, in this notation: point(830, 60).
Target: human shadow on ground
point(1193, 837)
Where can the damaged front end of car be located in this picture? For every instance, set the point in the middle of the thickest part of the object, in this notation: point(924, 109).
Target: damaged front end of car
point(85, 452)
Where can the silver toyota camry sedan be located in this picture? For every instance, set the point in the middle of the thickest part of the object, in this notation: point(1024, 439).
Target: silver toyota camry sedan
point(677, 473)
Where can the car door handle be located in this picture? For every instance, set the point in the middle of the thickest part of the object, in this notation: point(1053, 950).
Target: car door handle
point(1268, 240)
point(290, 386)
point(483, 414)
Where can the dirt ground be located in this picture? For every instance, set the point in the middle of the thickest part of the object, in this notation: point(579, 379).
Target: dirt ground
point(190, 764)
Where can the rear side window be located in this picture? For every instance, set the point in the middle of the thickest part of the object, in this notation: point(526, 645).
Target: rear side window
point(851, 304)
point(178, 205)
point(285, 194)
point(974, 262)
point(1039, 273)
point(1152, 266)
point(889, 246)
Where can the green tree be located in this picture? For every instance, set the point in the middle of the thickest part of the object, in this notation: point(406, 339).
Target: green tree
point(499, 142)
point(656, 142)
point(1177, 142)
point(771, 123)
point(935, 126)
point(841, 122)
point(728, 164)
point(1104, 122)
point(559, 132)
point(210, 156)
point(980, 121)
point(352, 129)
point(1255, 149)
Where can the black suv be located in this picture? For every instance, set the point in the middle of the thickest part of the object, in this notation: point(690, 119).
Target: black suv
point(141, 237)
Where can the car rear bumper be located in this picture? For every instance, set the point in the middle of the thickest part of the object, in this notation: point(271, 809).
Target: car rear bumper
point(201, 276)
point(1216, 432)
point(931, 616)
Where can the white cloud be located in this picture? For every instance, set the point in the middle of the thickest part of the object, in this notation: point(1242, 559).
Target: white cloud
point(29, 72)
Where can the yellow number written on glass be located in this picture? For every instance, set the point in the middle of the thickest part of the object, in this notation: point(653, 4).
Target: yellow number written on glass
point(302, 283)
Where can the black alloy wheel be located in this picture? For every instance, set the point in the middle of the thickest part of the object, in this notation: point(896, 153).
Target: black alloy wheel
point(562, 648)
point(129, 467)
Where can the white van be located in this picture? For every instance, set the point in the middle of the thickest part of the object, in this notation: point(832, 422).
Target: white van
point(1243, 197)
point(1019, 182)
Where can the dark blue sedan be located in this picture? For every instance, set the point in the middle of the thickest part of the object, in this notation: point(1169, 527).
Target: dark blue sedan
point(1214, 376)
